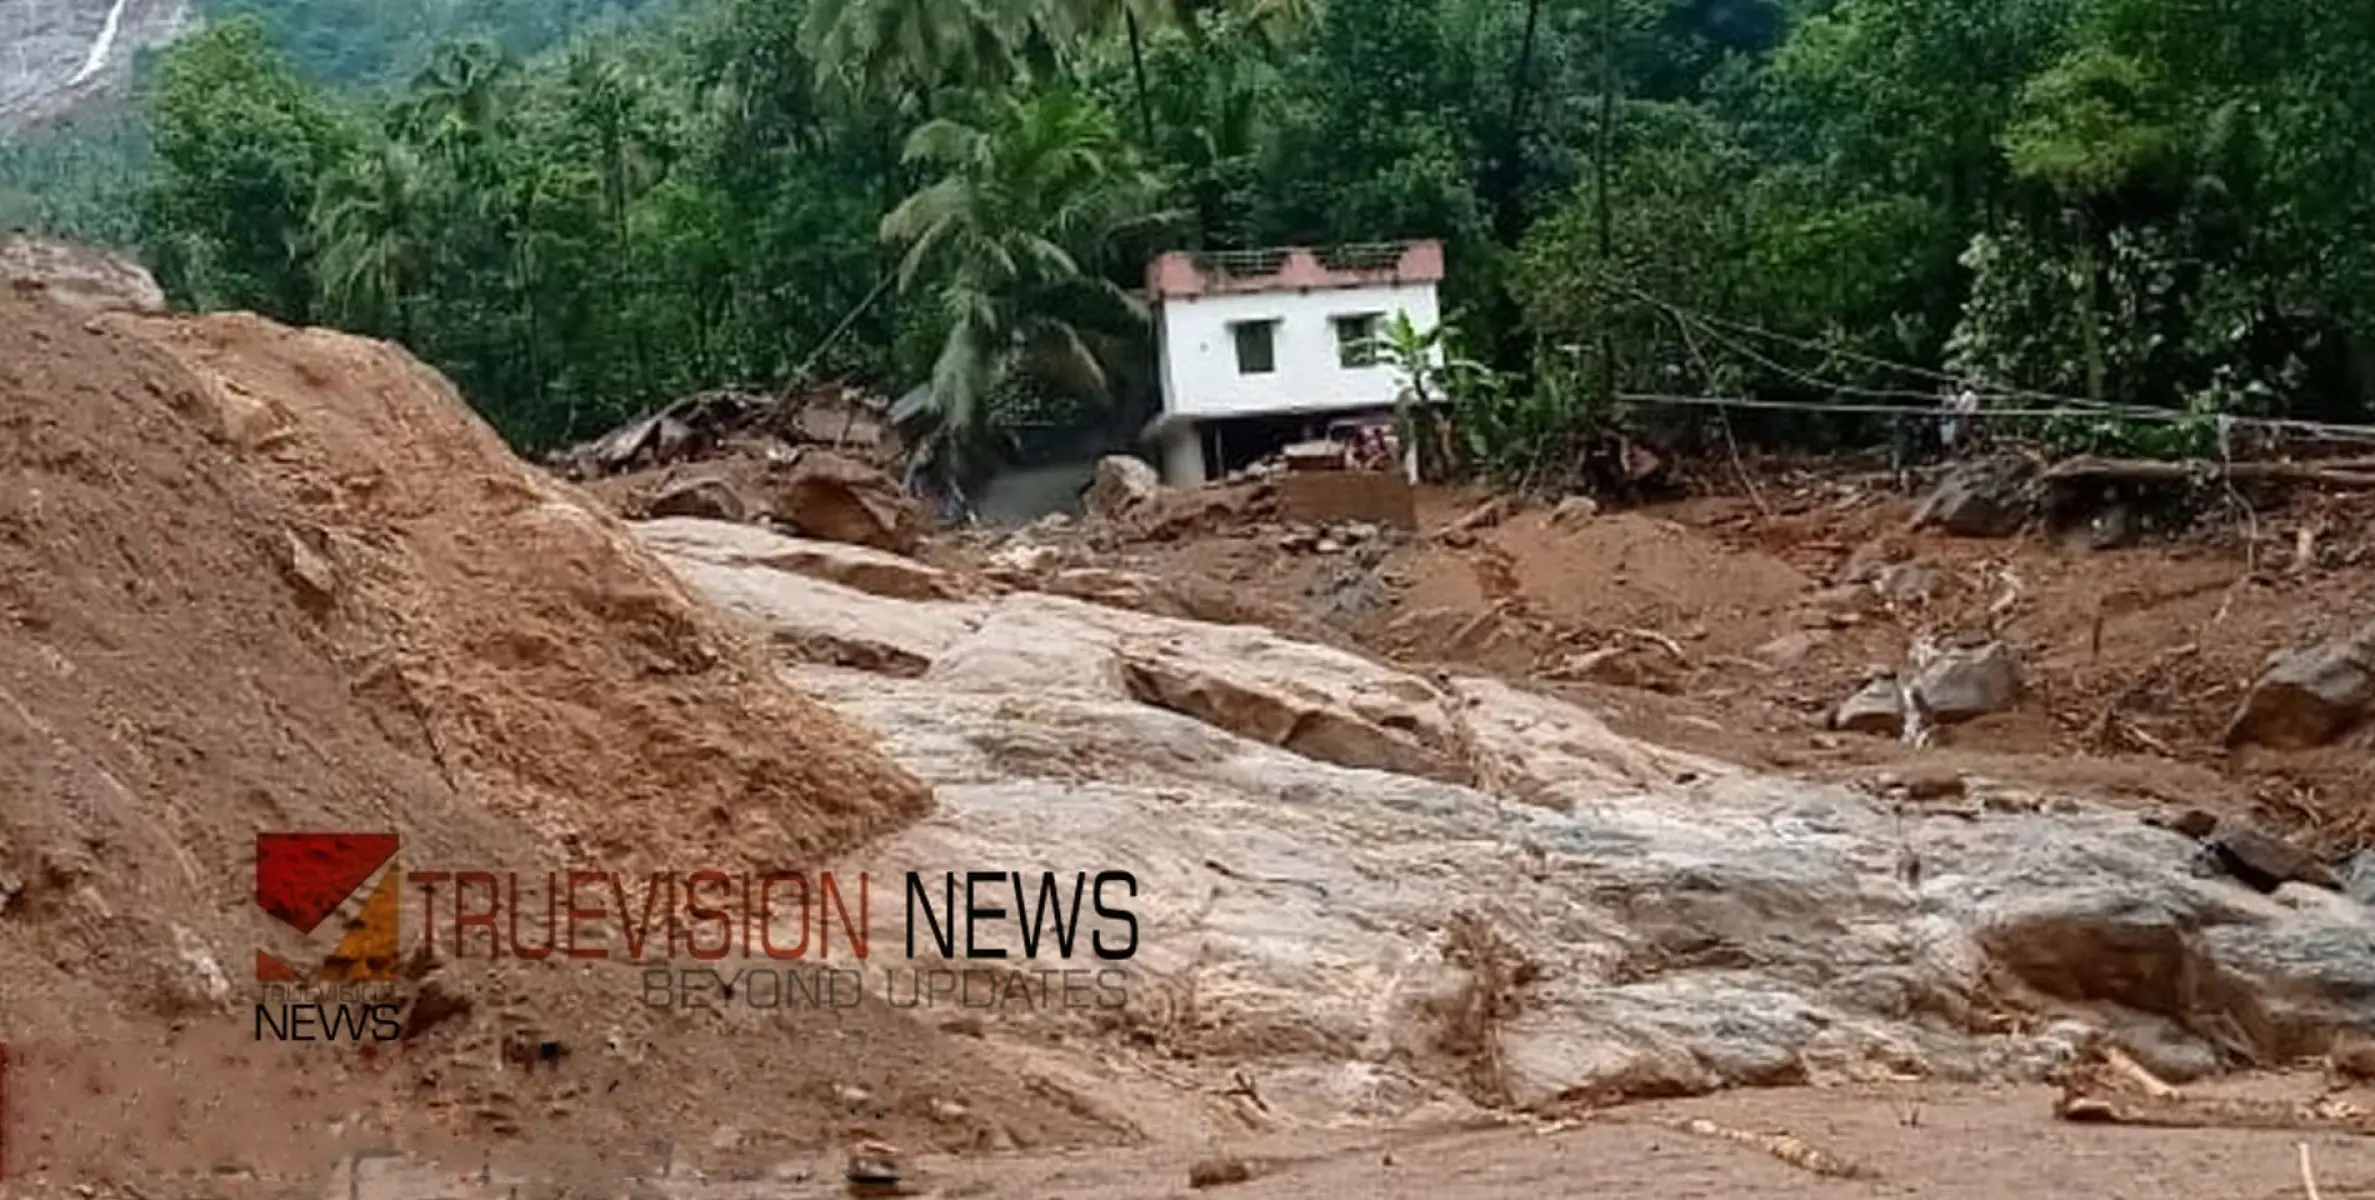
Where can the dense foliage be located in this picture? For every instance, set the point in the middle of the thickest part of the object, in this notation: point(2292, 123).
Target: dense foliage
point(2140, 202)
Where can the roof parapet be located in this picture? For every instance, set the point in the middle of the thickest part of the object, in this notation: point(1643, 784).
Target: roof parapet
point(1183, 274)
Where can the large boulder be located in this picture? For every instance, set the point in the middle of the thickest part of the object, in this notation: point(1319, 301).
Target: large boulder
point(841, 499)
point(1122, 486)
point(2309, 696)
point(1962, 683)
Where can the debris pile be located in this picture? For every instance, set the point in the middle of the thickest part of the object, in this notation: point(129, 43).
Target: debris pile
point(816, 464)
point(717, 424)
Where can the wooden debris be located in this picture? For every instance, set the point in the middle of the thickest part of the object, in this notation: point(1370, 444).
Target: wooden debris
point(2108, 1087)
point(1786, 1147)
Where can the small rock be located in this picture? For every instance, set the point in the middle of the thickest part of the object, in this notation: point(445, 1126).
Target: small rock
point(1790, 648)
point(705, 496)
point(872, 1165)
point(1574, 510)
point(1484, 516)
point(725, 1138)
point(1931, 783)
point(310, 569)
point(852, 1095)
point(434, 1003)
point(1328, 546)
point(1217, 1172)
point(2353, 1056)
point(1906, 581)
point(1982, 498)
point(1968, 682)
point(2194, 823)
point(2358, 877)
point(2309, 697)
point(1876, 708)
point(2264, 860)
point(948, 1112)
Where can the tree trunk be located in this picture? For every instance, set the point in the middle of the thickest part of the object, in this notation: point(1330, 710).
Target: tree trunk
point(1146, 112)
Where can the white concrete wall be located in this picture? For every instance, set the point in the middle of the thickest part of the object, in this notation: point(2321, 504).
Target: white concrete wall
point(1199, 354)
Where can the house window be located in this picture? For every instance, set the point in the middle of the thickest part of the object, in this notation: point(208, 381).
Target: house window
point(1356, 340)
point(1257, 349)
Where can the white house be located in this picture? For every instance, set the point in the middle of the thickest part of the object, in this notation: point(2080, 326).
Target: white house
point(1260, 348)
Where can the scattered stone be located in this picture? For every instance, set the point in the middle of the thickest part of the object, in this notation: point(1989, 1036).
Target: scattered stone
point(1328, 546)
point(1574, 510)
point(1484, 516)
point(310, 570)
point(1876, 708)
point(948, 1112)
point(1906, 582)
point(2309, 697)
point(726, 1138)
point(436, 1002)
point(872, 1169)
point(1218, 1172)
point(704, 496)
point(1929, 783)
point(2265, 860)
point(2194, 823)
point(1122, 485)
point(852, 1095)
point(2353, 1057)
point(1967, 682)
point(1791, 648)
point(1983, 498)
point(2358, 877)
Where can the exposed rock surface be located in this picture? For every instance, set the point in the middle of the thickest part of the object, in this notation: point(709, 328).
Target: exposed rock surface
point(1513, 904)
point(2309, 696)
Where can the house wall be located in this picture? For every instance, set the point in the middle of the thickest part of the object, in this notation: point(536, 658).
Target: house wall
point(1199, 353)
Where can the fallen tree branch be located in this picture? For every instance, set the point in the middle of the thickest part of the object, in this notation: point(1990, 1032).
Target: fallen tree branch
point(1786, 1147)
point(2110, 1088)
point(2355, 474)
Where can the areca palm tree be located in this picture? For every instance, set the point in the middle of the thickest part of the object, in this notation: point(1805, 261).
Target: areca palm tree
point(1010, 240)
point(368, 223)
point(884, 47)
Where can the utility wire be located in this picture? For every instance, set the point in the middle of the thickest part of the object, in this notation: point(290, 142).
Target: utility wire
point(2064, 406)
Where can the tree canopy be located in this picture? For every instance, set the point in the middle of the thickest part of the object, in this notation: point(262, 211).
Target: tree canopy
point(577, 208)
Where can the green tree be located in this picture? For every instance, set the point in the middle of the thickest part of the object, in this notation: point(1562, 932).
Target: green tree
point(1009, 240)
point(241, 147)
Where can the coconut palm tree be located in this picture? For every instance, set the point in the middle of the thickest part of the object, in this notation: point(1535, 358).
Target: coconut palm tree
point(368, 224)
point(1010, 240)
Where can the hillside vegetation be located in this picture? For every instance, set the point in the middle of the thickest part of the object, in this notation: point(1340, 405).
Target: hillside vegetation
point(2129, 202)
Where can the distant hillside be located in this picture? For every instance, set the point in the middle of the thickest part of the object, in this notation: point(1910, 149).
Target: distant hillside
point(65, 59)
point(365, 43)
